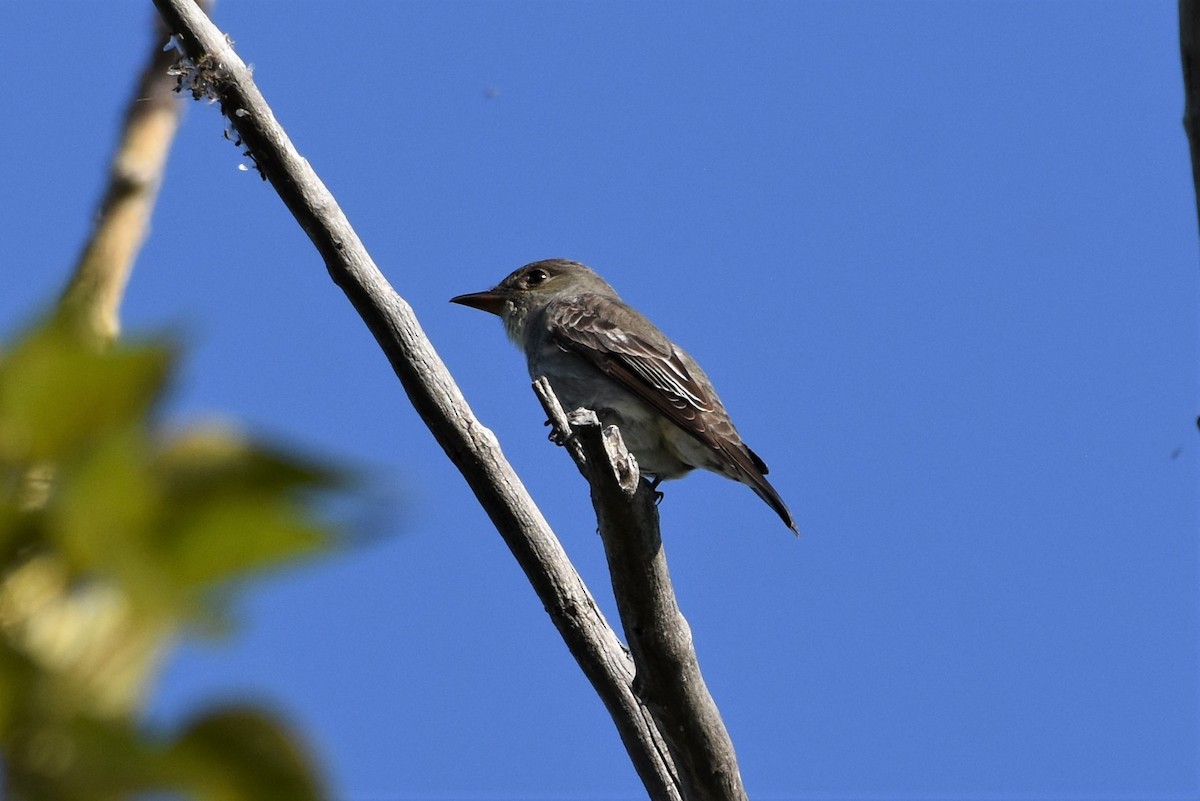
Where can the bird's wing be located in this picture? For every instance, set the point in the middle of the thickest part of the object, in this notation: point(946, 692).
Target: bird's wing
point(601, 331)
point(628, 348)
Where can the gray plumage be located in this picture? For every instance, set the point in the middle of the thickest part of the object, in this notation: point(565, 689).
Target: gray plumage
point(601, 354)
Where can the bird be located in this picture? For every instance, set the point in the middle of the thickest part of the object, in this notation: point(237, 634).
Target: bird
point(600, 353)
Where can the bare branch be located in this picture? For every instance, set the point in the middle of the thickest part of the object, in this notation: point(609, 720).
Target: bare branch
point(1189, 48)
point(668, 678)
point(92, 299)
point(472, 447)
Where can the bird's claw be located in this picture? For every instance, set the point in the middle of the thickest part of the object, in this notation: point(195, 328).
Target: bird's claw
point(558, 437)
point(658, 496)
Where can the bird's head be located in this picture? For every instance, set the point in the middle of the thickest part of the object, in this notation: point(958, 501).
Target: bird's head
point(532, 288)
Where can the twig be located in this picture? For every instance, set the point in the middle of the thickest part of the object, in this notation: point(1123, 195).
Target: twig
point(471, 447)
point(668, 678)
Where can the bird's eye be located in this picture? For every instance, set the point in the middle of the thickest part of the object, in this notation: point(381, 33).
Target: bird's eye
point(536, 277)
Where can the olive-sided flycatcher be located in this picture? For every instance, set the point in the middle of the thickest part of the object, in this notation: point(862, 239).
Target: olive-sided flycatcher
point(601, 354)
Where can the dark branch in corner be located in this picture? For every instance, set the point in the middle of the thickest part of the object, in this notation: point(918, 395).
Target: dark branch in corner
point(1189, 49)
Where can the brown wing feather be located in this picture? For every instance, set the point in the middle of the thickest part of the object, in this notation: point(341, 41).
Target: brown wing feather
point(648, 365)
point(598, 329)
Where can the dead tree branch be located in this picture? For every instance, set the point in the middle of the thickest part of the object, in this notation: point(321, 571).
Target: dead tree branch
point(668, 678)
point(216, 70)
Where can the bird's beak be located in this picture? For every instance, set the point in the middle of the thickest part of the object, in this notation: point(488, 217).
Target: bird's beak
point(489, 301)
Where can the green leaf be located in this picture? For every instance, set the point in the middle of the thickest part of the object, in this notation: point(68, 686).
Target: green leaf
point(235, 534)
point(106, 506)
point(214, 458)
point(84, 758)
point(232, 507)
point(56, 393)
point(244, 754)
point(111, 541)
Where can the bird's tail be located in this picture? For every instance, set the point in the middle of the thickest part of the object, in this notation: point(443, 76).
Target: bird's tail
point(764, 490)
point(753, 473)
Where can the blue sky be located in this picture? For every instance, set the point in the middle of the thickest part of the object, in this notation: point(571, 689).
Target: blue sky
point(940, 260)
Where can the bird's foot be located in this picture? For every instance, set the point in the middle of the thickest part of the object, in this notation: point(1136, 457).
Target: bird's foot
point(557, 436)
point(658, 496)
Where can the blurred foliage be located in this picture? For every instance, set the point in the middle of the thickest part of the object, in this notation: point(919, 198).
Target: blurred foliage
point(114, 541)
